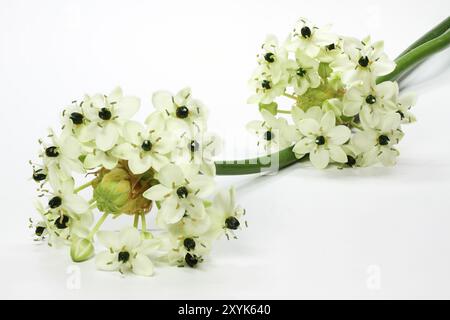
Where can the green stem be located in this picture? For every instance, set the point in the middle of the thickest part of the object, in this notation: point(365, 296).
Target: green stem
point(284, 111)
point(409, 60)
point(144, 223)
point(272, 162)
point(82, 187)
point(433, 33)
point(434, 41)
point(97, 226)
point(136, 221)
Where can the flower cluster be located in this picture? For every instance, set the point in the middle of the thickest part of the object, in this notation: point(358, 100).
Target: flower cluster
point(340, 113)
point(164, 165)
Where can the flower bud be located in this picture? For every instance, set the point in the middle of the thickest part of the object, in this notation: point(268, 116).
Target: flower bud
point(81, 249)
point(113, 191)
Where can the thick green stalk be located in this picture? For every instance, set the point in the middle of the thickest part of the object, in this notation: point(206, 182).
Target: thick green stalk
point(413, 57)
point(433, 33)
point(434, 41)
point(274, 161)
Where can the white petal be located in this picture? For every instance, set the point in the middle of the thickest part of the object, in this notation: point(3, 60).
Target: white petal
point(319, 158)
point(337, 154)
point(139, 164)
point(132, 130)
point(109, 239)
point(162, 100)
point(142, 265)
point(129, 237)
point(157, 192)
point(107, 137)
point(202, 185)
point(339, 135)
point(309, 127)
point(171, 211)
point(328, 121)
point(76, 203)
point(303, 146)
point(127, 107)
point(107, 261)
point(171, 175)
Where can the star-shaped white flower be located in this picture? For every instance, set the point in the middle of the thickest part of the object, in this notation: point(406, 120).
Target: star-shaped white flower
point(362, 61)
point(304, 73)
point(180, 192)
point(181, 111)
point(145, 148)
point(127, 251)
point(273, 133)
point(376, 143)
point(107, 115)
point(321, 139)
point(309, 39)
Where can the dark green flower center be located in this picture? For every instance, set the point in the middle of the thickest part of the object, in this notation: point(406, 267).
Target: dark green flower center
point(320, 140)
point(402, 115)
point(301, 72)
point(370, 99)
point(306, 32)
point(105, 114)
point(269, 57)
point(191, 260)
point(331, 46)
point(39, 176)
point(268, 135)
point(182, 192)
point(39, 231)
point(76, 117)
point(265, 84)
point(182, 112)
point(61, 222)
point(383, 140)
point(232, 223)
point(123, 256)
point(193, 146)
point(363, 61)
point(350, 161)
point(189, 244)
point(146, 145)
point(51, 152)
point(55, 202)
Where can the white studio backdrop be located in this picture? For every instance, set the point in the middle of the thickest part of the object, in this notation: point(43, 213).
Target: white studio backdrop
point(363, 233)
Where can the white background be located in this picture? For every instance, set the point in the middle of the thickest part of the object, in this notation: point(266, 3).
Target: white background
point(369, 233)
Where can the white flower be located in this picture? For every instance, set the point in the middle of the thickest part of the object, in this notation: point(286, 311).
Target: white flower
point(362, 61)
point(64, 198)
point(144, 148)
point(404, 104)
point(126, 251)
point(61, 225)
point(264, 86)
point(273, 133)
point(321, 139)
point(107, 114)
point(61, 157)
point(304, 73)
point(198, 149)
point(310, 39)
point(180, 192)
point(73, 119)
point(188, 249)
point(180, 110)
point(377, 143)
point(225, 214)
point(98, 158)
point(274, 59)
point(379, 97)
